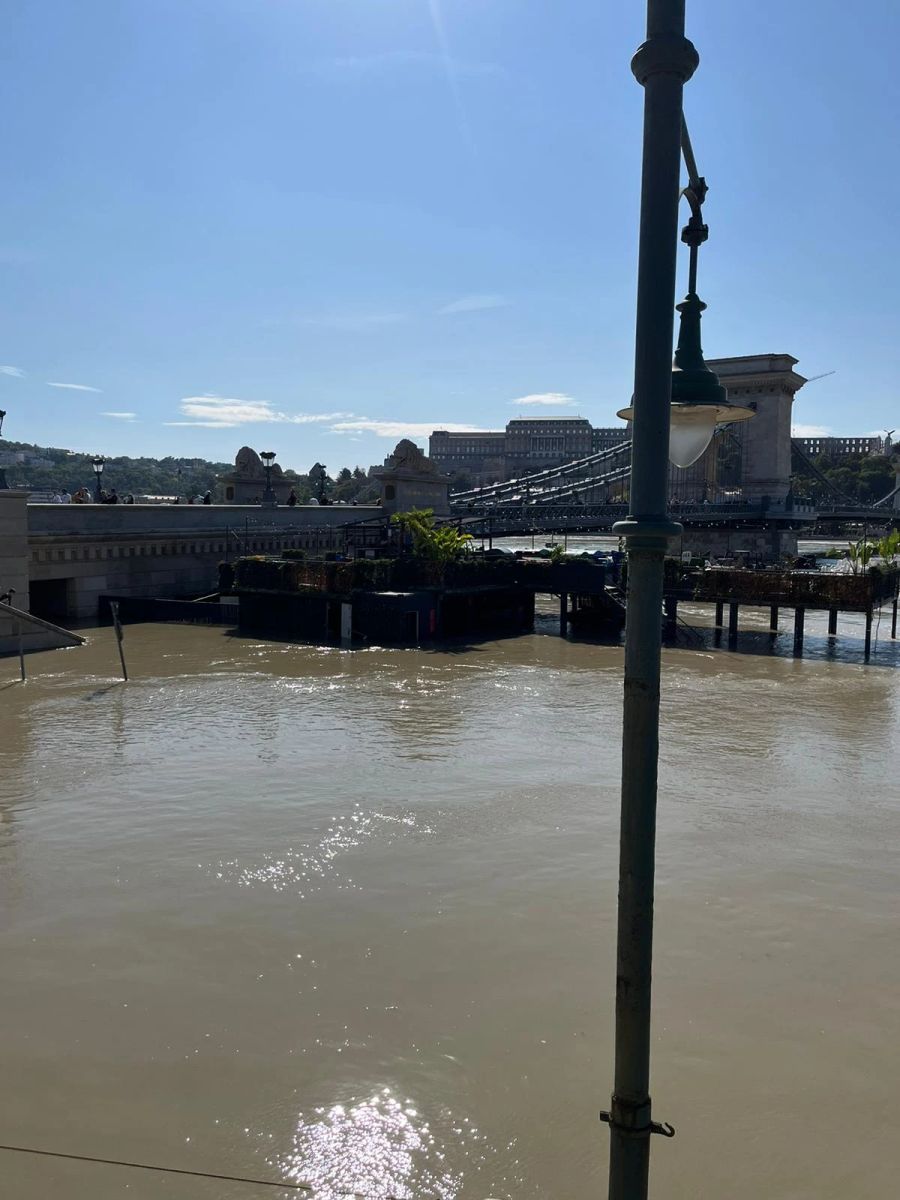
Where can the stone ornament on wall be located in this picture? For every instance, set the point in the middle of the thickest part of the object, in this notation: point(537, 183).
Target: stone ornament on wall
point(248, 462)
point(411, 480)
point(408, 457)
point(247, 482)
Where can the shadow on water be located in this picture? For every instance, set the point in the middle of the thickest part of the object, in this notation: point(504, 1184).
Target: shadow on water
point(885, 654)
point(848, 648)
point(761, 643)
point(110, 687)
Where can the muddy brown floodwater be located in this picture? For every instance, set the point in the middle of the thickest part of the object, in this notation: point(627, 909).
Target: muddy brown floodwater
point(348, 917)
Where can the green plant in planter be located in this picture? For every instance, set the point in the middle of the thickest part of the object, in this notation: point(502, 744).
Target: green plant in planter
point(432, 543)
point(860, 553)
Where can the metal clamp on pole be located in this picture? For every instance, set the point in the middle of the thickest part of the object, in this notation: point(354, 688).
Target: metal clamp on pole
point(663, 1128)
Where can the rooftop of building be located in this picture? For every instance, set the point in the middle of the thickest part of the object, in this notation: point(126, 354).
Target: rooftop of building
point(547, 420)
point(470, 433)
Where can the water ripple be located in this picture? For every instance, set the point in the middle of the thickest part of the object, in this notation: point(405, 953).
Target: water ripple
point(306, 868)
point(381, 1148)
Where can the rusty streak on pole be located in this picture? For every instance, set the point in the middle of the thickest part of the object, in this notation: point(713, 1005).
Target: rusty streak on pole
point(662, 65)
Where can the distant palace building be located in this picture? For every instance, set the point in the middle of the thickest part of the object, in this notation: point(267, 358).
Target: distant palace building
point(480, 454)
point(527, 444)
point(605, 438)
point(838, 448)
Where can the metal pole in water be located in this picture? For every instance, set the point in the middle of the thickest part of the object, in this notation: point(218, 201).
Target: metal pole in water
point(662, 65)
point(21, 649)
point(114, 605)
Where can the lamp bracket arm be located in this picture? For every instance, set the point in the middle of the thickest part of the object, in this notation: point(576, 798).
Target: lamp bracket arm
point(697, 188)
point(696, 231)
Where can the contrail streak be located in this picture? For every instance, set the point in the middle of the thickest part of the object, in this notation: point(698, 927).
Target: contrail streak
point(440, 34)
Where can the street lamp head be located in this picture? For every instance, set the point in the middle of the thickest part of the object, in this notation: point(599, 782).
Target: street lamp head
point(98, 462)
point(699, 401)
point(2, 415)
point(267, 456)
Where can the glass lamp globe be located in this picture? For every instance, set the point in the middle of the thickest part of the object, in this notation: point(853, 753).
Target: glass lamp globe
point(690, 432)
point(699, 401)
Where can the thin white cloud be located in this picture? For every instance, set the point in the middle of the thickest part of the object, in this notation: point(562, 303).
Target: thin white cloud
point(15, 372)
point(398, 429)
point(810, 431)
point(477, 303)
point(544, 400)
point(220, 412)
point(74, 387)
point(120, 416)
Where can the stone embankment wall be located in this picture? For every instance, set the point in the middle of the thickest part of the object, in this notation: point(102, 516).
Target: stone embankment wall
point(68, 556)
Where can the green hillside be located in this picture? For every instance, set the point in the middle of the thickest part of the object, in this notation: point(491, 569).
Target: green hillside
point(154, 476)
point(141, 476)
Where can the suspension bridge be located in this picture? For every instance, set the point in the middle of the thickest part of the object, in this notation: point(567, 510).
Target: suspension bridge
point(590, 494)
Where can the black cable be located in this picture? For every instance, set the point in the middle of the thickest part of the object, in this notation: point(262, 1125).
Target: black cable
point(115, 1162)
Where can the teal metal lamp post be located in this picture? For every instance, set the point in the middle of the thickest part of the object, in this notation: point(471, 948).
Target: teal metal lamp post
point(691, 401)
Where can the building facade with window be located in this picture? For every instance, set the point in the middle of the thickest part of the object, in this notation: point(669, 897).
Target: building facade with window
point(535, 443)
point(478, 454)
point(838, 448)
point(527, 444)
point(606, 438)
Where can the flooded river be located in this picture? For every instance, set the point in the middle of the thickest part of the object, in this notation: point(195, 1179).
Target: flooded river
point(307, 914)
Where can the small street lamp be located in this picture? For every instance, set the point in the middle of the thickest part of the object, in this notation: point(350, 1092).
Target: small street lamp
point(699, 402)
point(318, 475)
point(270, 500)
point(98, 462)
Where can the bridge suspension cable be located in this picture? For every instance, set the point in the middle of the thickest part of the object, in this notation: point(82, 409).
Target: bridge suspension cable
point(800, 453)
point(537, 481)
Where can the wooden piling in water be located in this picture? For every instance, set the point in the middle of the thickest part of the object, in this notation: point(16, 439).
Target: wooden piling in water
point(832, 622)
point(670, 607)
point(868, 649)
point(894, 619)
point(720, 611)
point(114, 606)
point(21, 650)
point(773, 618)
point(799, 621)
point(733, 624)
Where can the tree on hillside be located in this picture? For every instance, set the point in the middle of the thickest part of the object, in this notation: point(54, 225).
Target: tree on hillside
point(862, 477)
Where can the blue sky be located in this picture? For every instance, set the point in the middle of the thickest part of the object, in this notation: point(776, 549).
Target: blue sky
point(320, 225)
